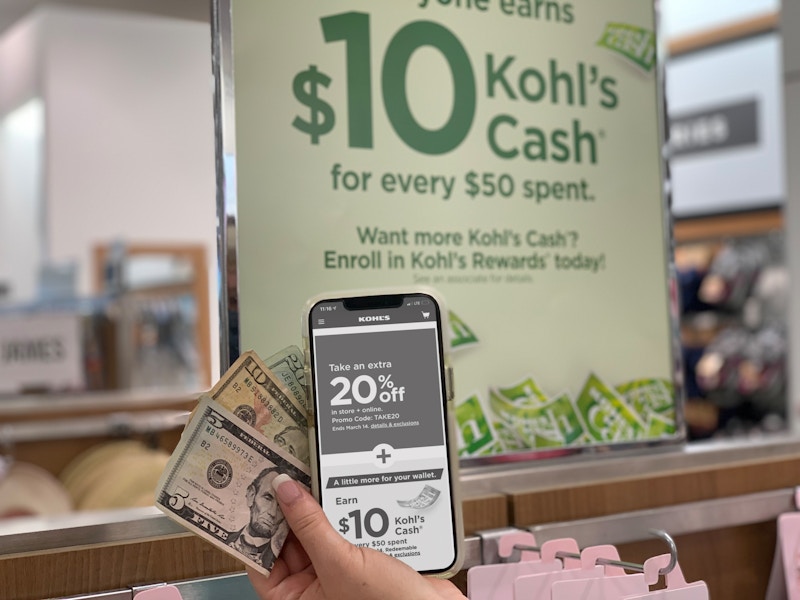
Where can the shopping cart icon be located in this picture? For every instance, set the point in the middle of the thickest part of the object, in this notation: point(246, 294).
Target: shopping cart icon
point(426, 315)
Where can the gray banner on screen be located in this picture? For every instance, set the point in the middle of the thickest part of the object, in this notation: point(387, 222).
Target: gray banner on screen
point(409, 418)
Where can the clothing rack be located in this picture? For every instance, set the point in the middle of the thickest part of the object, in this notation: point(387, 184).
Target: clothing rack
point(518, 549)
point(238, 586)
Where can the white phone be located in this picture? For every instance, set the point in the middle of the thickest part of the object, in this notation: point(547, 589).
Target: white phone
point(384, 464)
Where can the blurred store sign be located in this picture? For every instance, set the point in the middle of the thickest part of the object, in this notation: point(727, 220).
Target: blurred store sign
point(726, 113)
point(42, 352)
point(719, 128)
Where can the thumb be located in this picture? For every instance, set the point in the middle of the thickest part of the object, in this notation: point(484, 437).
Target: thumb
point(309, 524)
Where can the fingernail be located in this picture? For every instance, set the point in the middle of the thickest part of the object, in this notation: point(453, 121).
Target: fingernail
point(287, 489)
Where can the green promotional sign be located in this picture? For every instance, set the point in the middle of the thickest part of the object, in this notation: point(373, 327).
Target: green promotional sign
point(505, 152)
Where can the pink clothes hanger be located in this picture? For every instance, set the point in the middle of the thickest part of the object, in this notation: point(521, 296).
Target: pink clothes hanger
point(511, 547)
point(677, 588)
point(534, 587)
point(565, 549)
point(496, 582)
point(615, 586)
point(789, 548)
point(612, 583)
point(605, 555)
point(162, 592)
point(595, 573)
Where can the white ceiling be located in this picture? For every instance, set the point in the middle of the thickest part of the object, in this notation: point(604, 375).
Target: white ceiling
point(197, 10)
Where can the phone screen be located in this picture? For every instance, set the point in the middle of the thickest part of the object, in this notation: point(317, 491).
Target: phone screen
point(382, 439)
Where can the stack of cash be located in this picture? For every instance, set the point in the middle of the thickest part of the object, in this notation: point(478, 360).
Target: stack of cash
point(250, 427)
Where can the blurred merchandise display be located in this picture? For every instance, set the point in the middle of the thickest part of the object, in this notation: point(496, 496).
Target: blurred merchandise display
point(67, 458)
point(27, 490)
point(164, 352)
point(734, 296)
point(113, 475)
point(141, 329)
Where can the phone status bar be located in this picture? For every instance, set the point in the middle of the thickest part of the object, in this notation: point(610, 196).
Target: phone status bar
point(336, 315)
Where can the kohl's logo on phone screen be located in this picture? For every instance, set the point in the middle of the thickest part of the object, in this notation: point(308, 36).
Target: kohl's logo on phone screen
point(374, 318)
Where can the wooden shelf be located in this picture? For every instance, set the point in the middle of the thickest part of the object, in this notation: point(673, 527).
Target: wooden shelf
point(725, 226)
point(718, 35)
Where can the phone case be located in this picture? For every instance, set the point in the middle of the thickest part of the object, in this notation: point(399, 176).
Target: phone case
point(455, 493)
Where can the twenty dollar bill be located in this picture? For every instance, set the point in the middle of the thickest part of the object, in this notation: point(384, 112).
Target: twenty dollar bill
point(287, 364)
point(251, 391)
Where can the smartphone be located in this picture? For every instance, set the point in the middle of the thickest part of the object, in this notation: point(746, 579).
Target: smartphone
point(384, 464)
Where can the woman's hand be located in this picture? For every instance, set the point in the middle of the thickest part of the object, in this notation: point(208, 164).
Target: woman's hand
point(316, 563)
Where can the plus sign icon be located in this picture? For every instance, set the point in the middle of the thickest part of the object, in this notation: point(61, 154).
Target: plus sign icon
point(383, 455)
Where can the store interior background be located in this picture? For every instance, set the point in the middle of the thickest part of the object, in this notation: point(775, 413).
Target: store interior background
point(108, 213)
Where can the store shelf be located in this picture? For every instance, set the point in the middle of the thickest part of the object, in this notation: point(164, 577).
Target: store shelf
point(37, 534)
point(43, 406)
point(27, 535)
point(610, 529)
point(726, 226)
point(719, 35)
point(116, 424)
point(680, 519)
point(616, 465)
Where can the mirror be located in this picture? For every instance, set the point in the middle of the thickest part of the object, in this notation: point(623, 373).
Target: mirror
point(108, 219)
point(725, 99)
point(108, 261)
